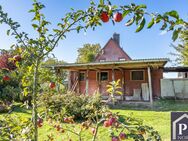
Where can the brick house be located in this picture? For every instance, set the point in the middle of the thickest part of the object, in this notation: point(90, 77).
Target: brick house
point(140, 78)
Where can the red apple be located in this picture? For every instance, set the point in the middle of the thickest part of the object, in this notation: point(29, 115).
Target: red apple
point(142, 131)
point(115, 139)
point(17, 58)
point(39, 124)
point(106, 124)
point(111, 121)
point(122, 136)
point(62, 130)
point(40, 120)
point(93, 130)
point(58, 127)
point(52, 85)
point(66, 120)
point(6, 78)
point(118, 17)
point(104, 17)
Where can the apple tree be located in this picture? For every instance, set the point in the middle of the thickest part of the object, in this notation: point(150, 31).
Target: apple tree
point(37, 48)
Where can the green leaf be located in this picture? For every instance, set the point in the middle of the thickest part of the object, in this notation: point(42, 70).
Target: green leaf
point(141, 26)
point(32, 10)
point(125, 13)
point(8, 32)
point(180, 21)
point(102, 2)
point(151, 23)
point(56, 30)
point(163, 26)
point(140, 6)
point(173, 14)
point(130, 22)
point(138, 17)
point(176, 34)
point(158, 19)
point(34, 26)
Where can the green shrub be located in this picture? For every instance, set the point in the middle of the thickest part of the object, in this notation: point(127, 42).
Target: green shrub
point(4, 108)
point(10, 93)
point(14, 128)
point(81, 107)
point(10, 90)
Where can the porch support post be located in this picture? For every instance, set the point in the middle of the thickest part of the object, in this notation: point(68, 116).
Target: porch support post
point(150, 85)
point(69, 81)
point(99, 80)
point(57, 72)
point(87, 81)
point(78, 89)
point(123, 83)
point(113, 76)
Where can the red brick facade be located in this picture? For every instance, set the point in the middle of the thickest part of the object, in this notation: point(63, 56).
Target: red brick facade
point(128, 84)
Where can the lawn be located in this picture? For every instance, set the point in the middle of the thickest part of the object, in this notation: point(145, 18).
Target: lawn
point(158, 117)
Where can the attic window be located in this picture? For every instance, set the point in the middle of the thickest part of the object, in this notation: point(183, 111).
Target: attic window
point(102, 60)
point(122, 59)
point(102, 51)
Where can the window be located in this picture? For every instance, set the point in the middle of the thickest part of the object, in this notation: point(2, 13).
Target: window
point(102, 60)
point(82, 76)
point(121, 59)
point(102, 51)
point(185, 74)
point(137, 75)
point(104, 76)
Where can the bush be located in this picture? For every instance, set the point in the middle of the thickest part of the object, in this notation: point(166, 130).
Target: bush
point(4, 108)
point(15, 128)
point(10, 93)
point(81, 107)
point(10, 90)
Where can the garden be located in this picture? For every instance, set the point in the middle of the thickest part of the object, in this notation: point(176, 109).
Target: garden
point(34, 103)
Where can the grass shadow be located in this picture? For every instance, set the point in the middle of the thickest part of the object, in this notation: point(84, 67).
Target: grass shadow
point(18, 109)
point(158, 106)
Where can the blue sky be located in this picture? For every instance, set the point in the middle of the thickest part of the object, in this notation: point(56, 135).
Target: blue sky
point(146, 44)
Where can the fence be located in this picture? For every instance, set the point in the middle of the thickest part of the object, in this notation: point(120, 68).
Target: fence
point(177, 88)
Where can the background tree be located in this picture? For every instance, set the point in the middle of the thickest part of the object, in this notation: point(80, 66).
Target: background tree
point(182, 48)
point(6, 62)
point(88, 53)
point(10, 89)
point(57, 76)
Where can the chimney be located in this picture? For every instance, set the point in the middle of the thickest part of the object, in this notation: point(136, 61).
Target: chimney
point(116, 38)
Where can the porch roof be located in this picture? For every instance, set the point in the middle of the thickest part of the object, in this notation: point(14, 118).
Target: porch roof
point(136, 63)
point(176, 69)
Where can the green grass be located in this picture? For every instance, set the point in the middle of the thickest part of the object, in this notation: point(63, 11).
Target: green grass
point(157, 117)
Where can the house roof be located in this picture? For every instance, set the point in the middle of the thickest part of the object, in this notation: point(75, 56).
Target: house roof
point(116, 46)
point(176, 69)
point(136, 63)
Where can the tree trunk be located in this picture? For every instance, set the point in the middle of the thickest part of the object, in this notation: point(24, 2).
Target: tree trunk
point(35, 78)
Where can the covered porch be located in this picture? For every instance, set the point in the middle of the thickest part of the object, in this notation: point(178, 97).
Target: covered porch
point(137, 78)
